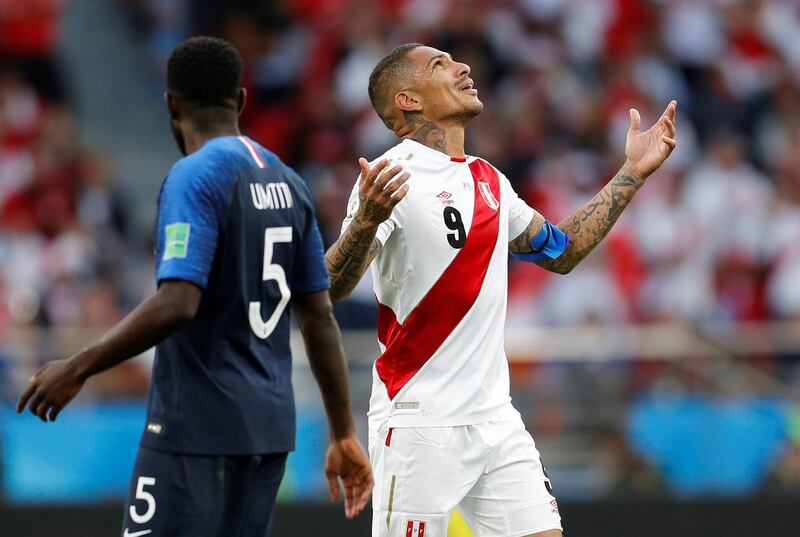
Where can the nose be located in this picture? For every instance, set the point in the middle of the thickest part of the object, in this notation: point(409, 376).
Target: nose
point(462, 69)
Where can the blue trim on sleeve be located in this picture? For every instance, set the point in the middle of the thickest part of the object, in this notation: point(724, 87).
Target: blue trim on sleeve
point(549, 243)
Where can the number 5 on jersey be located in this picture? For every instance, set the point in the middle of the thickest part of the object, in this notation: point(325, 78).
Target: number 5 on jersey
point(271, 271)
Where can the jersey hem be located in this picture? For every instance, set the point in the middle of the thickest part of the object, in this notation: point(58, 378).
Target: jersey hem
point(312, 288)
point(197, 280)
point(506, 412)
point(210, 452)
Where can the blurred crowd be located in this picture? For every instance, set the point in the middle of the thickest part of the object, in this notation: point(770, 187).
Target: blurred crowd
point(713, 236)
point(65, 258)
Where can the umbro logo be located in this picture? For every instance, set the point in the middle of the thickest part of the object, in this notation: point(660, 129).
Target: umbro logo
point(444, 196)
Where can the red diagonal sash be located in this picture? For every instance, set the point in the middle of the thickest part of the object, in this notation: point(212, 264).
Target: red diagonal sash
point(411, 344)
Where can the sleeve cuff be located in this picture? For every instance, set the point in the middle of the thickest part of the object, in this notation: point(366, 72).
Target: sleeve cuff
point(520, 224)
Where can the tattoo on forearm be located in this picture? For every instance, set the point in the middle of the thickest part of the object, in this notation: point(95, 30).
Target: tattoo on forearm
point(349, 258)
point(426, 132)
point(591, 223)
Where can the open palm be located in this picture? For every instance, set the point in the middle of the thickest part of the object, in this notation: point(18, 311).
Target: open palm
point(647, 150)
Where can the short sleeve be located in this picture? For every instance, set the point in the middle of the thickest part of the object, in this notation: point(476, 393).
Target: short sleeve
point(519, 213)
point(311, 274)
point(385, 229)
point(190, 209)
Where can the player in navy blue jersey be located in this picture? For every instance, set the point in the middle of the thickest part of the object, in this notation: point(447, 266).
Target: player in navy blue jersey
point(237, 242)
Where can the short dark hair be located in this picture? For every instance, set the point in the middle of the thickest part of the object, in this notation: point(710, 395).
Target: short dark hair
point(205, 71)
point(384, 77)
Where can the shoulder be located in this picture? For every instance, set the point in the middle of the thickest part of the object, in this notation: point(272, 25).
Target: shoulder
point(207, 175)
point(288, 174)
point(394, 154)
point(214, 162)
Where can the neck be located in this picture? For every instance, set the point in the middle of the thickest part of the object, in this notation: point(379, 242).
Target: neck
point(447, 139)
point(196, 136)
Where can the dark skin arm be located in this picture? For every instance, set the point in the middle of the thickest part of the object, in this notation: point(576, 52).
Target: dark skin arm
point(645, 152)
point(59, 381)
point(349, 257)
point(346, 458)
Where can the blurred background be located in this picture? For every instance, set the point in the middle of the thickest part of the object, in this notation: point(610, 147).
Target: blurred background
point(660, 379)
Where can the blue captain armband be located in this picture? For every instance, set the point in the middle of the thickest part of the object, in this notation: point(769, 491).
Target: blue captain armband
point(549, 243)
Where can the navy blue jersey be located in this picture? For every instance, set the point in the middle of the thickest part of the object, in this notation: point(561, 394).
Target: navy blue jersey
point(238, 223)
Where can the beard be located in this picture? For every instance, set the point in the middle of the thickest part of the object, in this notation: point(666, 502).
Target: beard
point(468, 111)
point(178, 135)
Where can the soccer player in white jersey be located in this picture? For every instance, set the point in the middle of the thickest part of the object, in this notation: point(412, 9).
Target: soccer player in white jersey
point(436, 226)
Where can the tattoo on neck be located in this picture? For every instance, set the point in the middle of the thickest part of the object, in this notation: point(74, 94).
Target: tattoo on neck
point(426, 132)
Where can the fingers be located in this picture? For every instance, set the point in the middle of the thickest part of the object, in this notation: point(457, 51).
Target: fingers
point(349, 497)
point(671, 142)
point(333, 485)
point(671, 111)
point(636, 121)
point(669, 125)
point(364, 165)
point(25, 397)
point(43, 409)
point(55, 411)
point(387, 177)
point(364, 493)
point(357, 495)
point(368, 176)
point(38, 404)
point(390, 186)
point(397, 182)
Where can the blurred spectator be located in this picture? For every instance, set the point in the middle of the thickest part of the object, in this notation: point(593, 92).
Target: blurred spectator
point(29, 32)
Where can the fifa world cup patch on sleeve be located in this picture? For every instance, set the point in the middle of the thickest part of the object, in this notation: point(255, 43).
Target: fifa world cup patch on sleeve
point(176, 240)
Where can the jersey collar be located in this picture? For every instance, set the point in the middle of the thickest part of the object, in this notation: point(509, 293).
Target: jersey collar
point(415, 147)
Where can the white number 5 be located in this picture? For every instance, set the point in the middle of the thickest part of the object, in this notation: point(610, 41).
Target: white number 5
point(275, 272)
point(147, 497)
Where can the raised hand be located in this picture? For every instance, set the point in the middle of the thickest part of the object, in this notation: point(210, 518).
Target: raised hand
point(50, 389)
point(346, 460)
point(646, 151)
point(380, 189)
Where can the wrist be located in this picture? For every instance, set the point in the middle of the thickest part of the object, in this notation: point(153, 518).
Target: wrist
point(364, 224)
point(632, 171)
point(339, 433)
point(80, 366)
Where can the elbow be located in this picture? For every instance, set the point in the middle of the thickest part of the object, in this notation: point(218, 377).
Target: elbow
point(559, 268)
point(178, 302)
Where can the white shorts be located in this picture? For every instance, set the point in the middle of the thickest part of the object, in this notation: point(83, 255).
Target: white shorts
point(490, 471)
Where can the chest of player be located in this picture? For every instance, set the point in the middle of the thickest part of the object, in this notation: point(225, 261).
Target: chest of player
point(439, 210)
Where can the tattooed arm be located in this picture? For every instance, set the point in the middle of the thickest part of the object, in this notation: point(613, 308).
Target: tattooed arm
point(588, 226)
point(349, 257)
point(645, 152)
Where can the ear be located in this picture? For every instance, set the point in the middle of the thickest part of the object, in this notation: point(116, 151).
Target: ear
point(407, 101)
point(241, 100)
point(172, 106)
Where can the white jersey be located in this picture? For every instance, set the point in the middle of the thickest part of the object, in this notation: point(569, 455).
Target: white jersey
point(441, 283)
